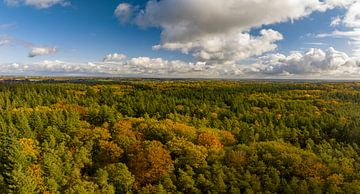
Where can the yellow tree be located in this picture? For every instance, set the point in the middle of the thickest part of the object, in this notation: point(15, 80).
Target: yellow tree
point(149, 161)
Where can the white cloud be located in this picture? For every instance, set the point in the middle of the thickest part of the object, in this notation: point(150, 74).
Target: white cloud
point(33, 50)
point(335, 21)
point(315, 62)
point(41, 4)
point(230, 47)
point(183, 18)
point(123, 12)
point(218, 31)
point(4, 40)
point(114, 57)
point(39, 51)
point(352, 17)
point(348, 34)
point(351, 20)
point(134, 67)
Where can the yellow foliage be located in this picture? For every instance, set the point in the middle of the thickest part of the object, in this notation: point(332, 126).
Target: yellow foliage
point(181, 129)
point(343, 120)
point(180, 107)
point(307, 96)
point(227, 138)
point(214, 115)
point(123, 125)
point(57, 106)
point(336, 179)
point(37, 175)
point(28, 147)
point(110, 151)
point(124, 134)
point(97, 133)
point(126, 124)
point(74, 107)
point(210, 140)
point(256, 109)
point(278, 116)
point(76, 92)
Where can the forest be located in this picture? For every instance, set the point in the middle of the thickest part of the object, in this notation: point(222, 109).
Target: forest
point(179, 136)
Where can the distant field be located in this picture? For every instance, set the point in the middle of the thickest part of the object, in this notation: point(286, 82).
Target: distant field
point(91, 135)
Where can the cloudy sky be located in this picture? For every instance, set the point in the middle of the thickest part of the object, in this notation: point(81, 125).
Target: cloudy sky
point(299, 39)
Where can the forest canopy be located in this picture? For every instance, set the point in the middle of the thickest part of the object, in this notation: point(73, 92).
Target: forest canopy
point(174, 136)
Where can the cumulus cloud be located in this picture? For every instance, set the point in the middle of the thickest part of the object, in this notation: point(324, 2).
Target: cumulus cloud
point(220, 32)
point(335, 21)
point(134, 67)
point(315, 62)
point(33, 49)
point(351, 21)
point(41, 4)
point(183, 18)
point(230, 47)
point(352, 17)
point(123, 12)
point(114, 57)
point(39, 51)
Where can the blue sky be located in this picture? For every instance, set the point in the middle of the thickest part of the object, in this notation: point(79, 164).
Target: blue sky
point(80, 32)
point(83, 31)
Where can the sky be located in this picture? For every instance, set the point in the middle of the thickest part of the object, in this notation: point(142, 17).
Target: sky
point(235, 39)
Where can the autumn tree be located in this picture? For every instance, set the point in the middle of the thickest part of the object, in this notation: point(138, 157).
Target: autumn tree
point(149, 161)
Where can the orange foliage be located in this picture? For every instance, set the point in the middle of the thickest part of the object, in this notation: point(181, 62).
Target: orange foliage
point(109, 151)
point(124, 134)
point(125, 124)
point(149, 162)
point(335, 179)
point(210, 141)
point(73, 107)
point(316, 170)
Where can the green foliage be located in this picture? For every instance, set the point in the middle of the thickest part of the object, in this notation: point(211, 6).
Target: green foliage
point(151, 136)
point(119, 176)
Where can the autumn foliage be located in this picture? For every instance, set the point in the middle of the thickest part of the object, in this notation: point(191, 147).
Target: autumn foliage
point(177, 136)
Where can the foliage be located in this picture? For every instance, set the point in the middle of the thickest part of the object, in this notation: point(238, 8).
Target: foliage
point(152, 136)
